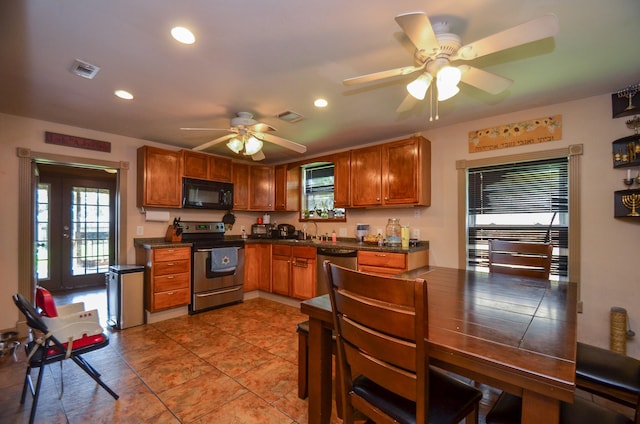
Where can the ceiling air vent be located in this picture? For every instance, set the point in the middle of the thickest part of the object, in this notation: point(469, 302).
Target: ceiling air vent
point(290, 116)
point(84, 69)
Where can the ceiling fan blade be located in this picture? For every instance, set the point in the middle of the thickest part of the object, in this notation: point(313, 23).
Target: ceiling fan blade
point(261, 127)
point(288, 144)
point(214, 142)
point(484, 80)
point(382, 75)
point(533, 30)
point(418, 28)
point(204, 129)
point(407, 104)
point(258, 156)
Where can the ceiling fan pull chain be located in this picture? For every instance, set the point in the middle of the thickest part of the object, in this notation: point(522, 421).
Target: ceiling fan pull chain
point(430, 104)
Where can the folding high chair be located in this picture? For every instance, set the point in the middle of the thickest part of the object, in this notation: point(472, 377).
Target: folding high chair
point(46, 348)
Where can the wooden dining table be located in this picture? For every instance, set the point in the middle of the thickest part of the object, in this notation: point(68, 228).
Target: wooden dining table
point(513, 333)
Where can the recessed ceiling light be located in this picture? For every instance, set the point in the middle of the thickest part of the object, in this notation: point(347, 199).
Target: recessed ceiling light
point(320, 103)
point(183, 35)
point(123, 94)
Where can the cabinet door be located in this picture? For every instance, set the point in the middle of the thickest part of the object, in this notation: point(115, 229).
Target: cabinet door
point(400, 171)
point(257, 267)
point(366, 176)
point(159, 177)
point(280, 274)
point(261, 188)
point(196, 164)
point(341, 179)
point(287, 188)
point(219, 168)
point(240, 179)
point(303, 278)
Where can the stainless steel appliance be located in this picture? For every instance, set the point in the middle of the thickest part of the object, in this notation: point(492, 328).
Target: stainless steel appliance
point(261, 231)
point(125, 296)
point(203, 194)
point(347, 258)
point(286, 231)
point(217, 266)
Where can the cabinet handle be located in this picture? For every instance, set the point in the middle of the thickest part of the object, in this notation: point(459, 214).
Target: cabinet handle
point(377, 199)
point(382, 255)
point(170, 277)
point(386, 198)
point(170, 293)
point(170, 250)
point(170, 264)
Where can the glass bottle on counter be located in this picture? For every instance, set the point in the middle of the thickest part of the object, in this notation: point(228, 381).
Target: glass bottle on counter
point(394, 232)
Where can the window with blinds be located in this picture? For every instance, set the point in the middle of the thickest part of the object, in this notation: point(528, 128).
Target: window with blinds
point(525, 201)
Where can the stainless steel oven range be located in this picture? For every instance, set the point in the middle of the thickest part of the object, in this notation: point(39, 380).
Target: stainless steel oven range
point(217, 266)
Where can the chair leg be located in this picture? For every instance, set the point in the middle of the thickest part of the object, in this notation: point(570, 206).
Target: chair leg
point(303, 369)
point(27, 385)
point(35, 394)
point(93, 374)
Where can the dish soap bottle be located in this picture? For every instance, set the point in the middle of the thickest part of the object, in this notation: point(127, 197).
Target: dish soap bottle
point(394, 232)
point(334, 238)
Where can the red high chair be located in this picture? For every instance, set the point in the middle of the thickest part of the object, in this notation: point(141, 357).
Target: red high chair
point(46, 348)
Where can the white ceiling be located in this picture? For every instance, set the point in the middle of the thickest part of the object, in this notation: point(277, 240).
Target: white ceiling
point(266, 57)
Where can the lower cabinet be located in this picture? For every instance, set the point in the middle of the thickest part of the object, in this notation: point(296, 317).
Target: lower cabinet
point(167, 276)
point(390, 263)
point(257, 267)
point(293, 271)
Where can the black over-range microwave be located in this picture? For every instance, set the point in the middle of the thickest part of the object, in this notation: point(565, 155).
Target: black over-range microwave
point(202, 194)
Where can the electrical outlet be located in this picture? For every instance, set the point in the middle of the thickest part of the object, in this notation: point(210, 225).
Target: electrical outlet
point(242, 228)
point(416, 213)
point(378, 231)
point(416, 233)
point(343, 232)
point(139, 230)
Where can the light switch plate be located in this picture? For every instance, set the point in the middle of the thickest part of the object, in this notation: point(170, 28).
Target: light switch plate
point(343, 232)
point(139, 230)
point(416, 233)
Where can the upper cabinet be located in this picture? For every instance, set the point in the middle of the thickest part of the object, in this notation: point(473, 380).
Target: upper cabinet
point(261, 183)
point(252, 187)
point(287, 188)
point(159, 177)
point(206, 167)
point(392, 174)
point(341, 179)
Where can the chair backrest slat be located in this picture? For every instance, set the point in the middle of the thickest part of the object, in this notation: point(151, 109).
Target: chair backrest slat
point(525, 259)
point(381, 331)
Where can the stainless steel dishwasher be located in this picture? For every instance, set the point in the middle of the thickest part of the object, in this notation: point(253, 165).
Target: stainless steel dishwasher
point(347, 258)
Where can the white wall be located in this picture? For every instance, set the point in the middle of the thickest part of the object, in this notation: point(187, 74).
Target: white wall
point(609, 246)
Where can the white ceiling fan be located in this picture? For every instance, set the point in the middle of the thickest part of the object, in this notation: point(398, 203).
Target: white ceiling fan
point(436, 48)
point(246, 136)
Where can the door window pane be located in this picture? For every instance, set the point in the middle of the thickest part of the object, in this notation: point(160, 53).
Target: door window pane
point(90, 230)
point(42, 231)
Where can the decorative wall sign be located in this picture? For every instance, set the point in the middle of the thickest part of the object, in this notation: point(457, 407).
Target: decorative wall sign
point(79, 142)
point(522, 133)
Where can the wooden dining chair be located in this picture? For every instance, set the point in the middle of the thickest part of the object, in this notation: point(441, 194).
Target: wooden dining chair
point(383, 353)
point(526, 259)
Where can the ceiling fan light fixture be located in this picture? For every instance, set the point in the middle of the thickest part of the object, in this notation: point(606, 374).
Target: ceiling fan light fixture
point(252, 146)
point(418, 87)
point(445, 92)
point(235, 145)
point(449, 76)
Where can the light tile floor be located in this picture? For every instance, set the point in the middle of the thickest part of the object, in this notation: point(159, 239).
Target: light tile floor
point(231, 365)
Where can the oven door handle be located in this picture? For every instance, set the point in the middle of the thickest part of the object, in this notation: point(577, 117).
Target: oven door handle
point(204, 250)
point(218, 292)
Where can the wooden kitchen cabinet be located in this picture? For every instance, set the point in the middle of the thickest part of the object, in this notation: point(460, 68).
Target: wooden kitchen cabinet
point(159, 179)
point(240, 180)
point(167, 276)
point(257, 267)
point(392, 174)
point(261, 181)
point(252, 187)
point(287, 188)
point(391, 263)
point(293, 271)
point(205, 166)
point(341, 179)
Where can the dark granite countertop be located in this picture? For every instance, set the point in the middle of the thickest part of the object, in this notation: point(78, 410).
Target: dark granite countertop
point(341, 243)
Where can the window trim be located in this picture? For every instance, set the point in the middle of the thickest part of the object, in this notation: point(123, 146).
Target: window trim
point(573, 152)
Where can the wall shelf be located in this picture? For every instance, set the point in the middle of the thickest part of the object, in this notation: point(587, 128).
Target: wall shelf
point(623, 207)
point(626, 151)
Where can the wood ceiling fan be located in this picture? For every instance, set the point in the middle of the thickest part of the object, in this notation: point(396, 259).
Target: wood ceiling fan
point(246, 136)
point(436, 48)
